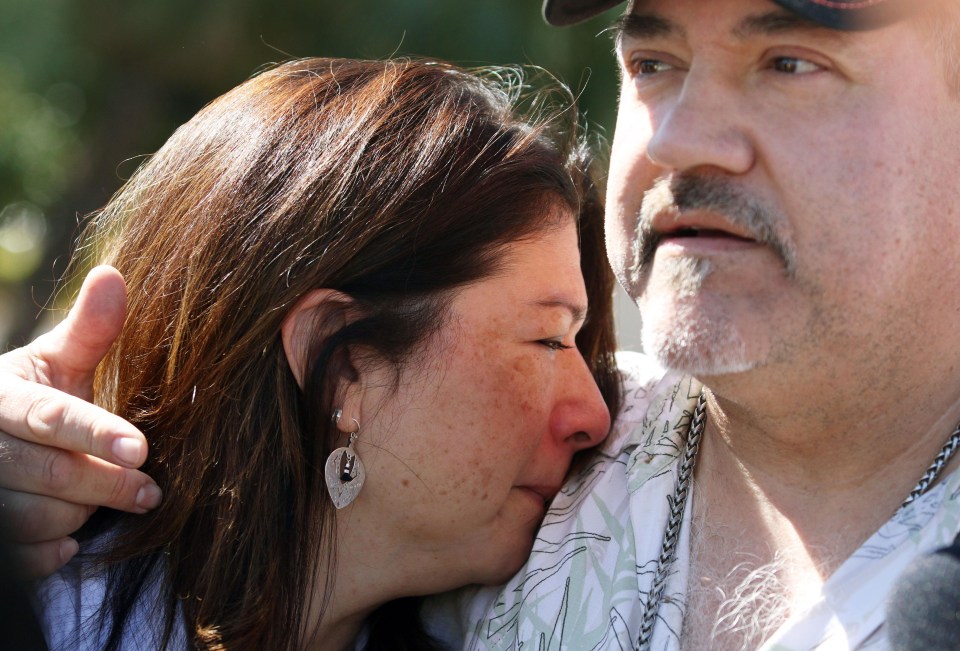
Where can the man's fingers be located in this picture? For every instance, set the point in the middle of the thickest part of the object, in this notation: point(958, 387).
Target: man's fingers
point(45, 416)
point(35, 381)
point(72, 350)
point(31, 518)
point(59, 453)
point(39, 560)
point(78, 478)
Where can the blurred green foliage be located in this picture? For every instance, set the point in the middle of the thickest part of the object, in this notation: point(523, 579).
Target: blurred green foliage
point(87, 88)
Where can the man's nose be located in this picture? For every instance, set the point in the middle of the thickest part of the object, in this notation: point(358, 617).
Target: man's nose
point(703, 126)
point(580, 418)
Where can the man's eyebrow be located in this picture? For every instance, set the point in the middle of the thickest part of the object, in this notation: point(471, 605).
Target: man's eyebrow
point(780, 22)
point(643, 26)
point(649, 25)
point(577, 311)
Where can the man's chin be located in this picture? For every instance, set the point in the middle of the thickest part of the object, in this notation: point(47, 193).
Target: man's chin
point(698, 351)
point(704, 371)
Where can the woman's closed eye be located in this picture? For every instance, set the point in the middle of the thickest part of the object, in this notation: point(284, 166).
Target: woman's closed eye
point(554, 344)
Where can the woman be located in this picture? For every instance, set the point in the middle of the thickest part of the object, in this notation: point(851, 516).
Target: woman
point(355, 294)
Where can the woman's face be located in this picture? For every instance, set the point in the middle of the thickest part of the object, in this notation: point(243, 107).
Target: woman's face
point(463, 457)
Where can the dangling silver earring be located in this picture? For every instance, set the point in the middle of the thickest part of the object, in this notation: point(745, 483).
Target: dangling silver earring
point(344, 472)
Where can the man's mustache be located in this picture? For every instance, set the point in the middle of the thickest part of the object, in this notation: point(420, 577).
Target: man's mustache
point(716, 194)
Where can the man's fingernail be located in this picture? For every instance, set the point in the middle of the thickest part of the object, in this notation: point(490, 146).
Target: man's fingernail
point(149, 496)
point(68, 549)
point(129, 450)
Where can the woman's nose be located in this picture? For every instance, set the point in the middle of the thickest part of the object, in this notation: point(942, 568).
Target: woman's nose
point(580, 417)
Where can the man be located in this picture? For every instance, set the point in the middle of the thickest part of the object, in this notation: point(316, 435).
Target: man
point(781, 205)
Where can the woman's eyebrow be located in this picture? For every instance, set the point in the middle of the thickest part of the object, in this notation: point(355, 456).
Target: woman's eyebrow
point(577, 311)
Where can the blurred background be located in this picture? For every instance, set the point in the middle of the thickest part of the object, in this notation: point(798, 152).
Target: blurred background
point(88, 88)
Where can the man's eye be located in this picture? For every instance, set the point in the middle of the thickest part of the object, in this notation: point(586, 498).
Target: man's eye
point(794, 66)
point(651, 66)
point(553, 344)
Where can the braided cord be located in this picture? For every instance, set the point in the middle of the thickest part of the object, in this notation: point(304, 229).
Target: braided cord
point(936, 468)
point(678, 501)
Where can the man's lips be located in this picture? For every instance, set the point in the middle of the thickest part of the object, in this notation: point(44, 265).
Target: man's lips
point(697, 224)
point(700, 216)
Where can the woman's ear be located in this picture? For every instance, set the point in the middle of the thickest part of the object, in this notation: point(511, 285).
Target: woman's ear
point(319, 314)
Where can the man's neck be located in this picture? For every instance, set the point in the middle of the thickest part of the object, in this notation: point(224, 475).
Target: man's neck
point(741, 588)
point(819, 477)
point(798, 496)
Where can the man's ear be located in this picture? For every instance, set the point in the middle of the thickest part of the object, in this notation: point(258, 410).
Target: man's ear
point(319, 314)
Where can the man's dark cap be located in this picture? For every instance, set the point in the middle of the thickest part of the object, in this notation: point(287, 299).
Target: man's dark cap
point(837, 14)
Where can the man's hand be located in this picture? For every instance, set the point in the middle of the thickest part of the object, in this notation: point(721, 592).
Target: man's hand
point(60, 456)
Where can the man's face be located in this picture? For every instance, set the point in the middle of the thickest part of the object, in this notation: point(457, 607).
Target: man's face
point(781, 193)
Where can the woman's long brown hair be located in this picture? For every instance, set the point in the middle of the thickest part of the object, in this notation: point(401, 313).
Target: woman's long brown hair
point(393, 182)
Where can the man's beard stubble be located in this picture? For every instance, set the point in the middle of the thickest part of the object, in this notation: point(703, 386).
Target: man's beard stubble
point(675, 328)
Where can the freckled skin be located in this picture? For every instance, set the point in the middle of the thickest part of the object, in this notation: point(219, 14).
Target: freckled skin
point(476, 417)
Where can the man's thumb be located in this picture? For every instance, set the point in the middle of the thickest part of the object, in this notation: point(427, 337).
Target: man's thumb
point(75, 347)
